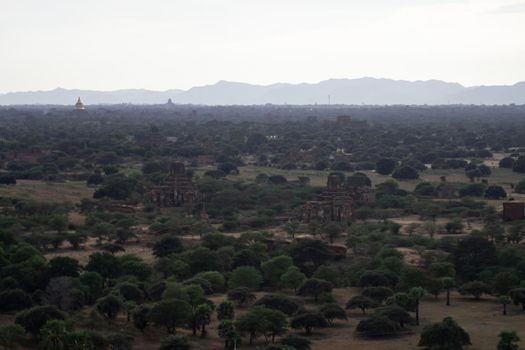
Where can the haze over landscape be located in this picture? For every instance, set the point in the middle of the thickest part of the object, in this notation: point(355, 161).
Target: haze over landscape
point(367, 91)
point(262, 174)
point(116, 44)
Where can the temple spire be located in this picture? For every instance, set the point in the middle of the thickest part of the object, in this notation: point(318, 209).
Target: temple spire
point(79, 106)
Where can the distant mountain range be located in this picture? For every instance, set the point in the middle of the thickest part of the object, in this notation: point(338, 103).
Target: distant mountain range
point(369, 91)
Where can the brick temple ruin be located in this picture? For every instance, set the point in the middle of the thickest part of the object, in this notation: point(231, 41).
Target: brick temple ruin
point(513, 211)
point(336, 202)
point(178, 190)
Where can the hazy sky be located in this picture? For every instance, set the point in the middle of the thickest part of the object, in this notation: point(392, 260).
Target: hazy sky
point(162, 44)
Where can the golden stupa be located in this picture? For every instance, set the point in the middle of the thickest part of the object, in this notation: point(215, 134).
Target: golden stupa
point(79, 106)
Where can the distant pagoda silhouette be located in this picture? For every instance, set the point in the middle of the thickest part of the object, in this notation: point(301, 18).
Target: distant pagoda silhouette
point(79, 106)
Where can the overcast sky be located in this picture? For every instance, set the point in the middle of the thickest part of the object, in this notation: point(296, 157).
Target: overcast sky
point(163, 44)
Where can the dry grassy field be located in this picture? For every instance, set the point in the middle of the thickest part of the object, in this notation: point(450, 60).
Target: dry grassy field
point(481, 319)
point(502, 177)
point(69, 191)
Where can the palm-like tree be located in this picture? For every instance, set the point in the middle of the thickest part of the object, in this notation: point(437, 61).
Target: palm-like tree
point(417, 293)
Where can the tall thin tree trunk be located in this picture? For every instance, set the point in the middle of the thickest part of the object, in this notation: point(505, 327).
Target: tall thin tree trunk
point(417, 312)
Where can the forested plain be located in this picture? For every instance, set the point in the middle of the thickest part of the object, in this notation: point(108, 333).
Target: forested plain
point(89, 261)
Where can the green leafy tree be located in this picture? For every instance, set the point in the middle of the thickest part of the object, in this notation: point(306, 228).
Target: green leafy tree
point(93, 284)
point(130, 291)
point(109, 306)
point(246, 257)
point(495, 192)
point(333, 231)
point(7, 179)
point(448, 284)
point(195, 295)
point(252, 323)
point(314, 226)
point(504, 300)
point(167, 245)
point(309, 321)
point(245, 276)
point(442, 269)
point(57, 240)
point(508, 340)
point(54, 335)
point(58, 223)
point(63, 266)
point(519, 165)
point(435, 286)
point(129, 306)
point(105, 264)
point(376, 278)
point(103, 231)
point(134, 265)
point(507, 163)
point(405, 173)
point(292, 278)
point(474, 288)
point(518, 297)
point(215, 278)
point(297, 342)
point(416, 294)
point(385, 166)
point(472, 255)
point(403, 300)
point(276, 323)
point(395, 313)
point(14, 300)
point(291, 227)
point(504, 281)
point(494, 231)
point(225, 311)
point(430, 228)
point(202, 259)
point(308, 255)
point(76, 239)
point(377, 326)
point(175, 342)
point(241, 295)
point(200, 227)
point(329, 273)
point(202, 317)
point(140, 317)
point(171, 313)
point(378, 294)
point(226, 331)
point(314, 287)
point(332, 312)
point(360, 302)
point(454, 227)
point(274, 268)
point(11, 336)
point(520, 187)
point(516, 233)
point(445, 335)
point(112, 248)
point(35, 318)
point(279, 302)
point(117, 186)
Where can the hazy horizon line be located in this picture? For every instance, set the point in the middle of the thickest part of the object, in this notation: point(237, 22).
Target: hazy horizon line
point(255, 84)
